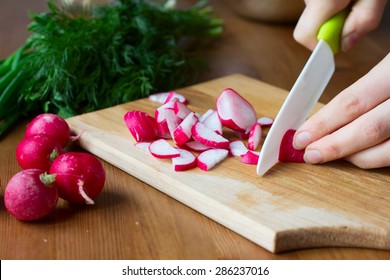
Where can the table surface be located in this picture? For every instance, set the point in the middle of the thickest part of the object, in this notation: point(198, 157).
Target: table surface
point(143, 223)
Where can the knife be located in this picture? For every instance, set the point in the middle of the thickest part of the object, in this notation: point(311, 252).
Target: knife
point(305, 92)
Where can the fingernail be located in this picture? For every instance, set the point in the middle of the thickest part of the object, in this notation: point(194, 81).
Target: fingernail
point(313, 156)
point(302, 140)
point(349, 41)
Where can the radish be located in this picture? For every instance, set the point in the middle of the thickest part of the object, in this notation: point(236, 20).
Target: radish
point(181, 110)
point(287, 153)
point(172, 95)
point(80, 177)
point(185, 161)
point(208, 137)
point(31, 195)
point(52, 125)
point(196, 146)
point(183, 132)
point(235, 112)
point(142, 146)
point(206, 114)
point(250, 157)
point(254, 137)
point(173, 121)
point(213, 122)
point(162, 97)
point(237, 148)
point(162, 149)
point(208, 159)
point(265, 121)
point(37, 151)
point(141, 125)
point(160, 116)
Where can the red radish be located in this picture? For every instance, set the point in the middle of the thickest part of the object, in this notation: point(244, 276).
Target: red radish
point(185, 161)
point(235, 112)
point(287, 153)
point(206, 114)
point(141, 125)
point(162, 149)
point(196, 146)
point(173, 120)
point(172, 95)
point(37, 151)
point(208, 159)
point(80, 177)
point(213, 122)
point(160, 116)
point(183, 132)
point(237, 148)
point(208, 137)
point(254, 137)
point(52, 125)
point(181, 110)
point(265, 121)
point(31, 195)
point(142, 146)
point(250, 157)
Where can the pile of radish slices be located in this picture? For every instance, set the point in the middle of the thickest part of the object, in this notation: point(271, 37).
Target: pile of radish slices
point(199, 140)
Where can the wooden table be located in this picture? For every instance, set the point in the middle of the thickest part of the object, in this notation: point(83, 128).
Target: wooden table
point(131, 220)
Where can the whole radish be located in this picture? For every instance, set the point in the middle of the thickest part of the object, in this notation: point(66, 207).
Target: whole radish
point(52, 125)
point(31, 195)
point(80, 177)
point(37, 151)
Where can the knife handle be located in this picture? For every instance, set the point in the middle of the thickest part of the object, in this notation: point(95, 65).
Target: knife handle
point(330, 31)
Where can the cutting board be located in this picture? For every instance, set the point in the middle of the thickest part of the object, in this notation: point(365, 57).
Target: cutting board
point(293, 206)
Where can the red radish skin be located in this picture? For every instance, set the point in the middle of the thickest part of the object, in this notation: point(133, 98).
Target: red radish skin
point(141, 125)
point(183, 132)
point(162, 149)
point(287, 153)
point(181, 110)
point(235, 112)
point(172, 95)
point(254, 137)
point(250, 157)
point(185, 161)
point(210, 158)
point(31, 195)
point(208, 137)
point(38, 152)
point(80, 177)
point(52, 125)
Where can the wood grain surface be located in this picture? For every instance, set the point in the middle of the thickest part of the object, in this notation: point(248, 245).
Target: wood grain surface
point(132, 220)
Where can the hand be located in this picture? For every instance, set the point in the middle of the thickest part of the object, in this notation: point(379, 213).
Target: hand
point(364, 17)
point(355, 125)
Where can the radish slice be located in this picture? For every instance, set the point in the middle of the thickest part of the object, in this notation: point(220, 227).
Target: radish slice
point(196, 146)
point(142, 146)
point(254, 137)
point(160, 116)
point(208, 159)
point(142, 126)
point(173, 121)
point(235, 112)
point(182, 133)
point(265, 121)
point(213, 122)
point(237, 148)
point(172, 95)
point(208, 137)
point(287, 153)
point(206, 114)
point(161, 97)
point(181, 110)
point(250, 157)
point(162, 149)
point(185, 161)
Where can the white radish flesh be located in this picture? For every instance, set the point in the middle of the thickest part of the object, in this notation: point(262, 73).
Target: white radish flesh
point(208, 137)
point(237, 148)
point(181, 110)
point(185, 161)
point(213, 122)
point(182, 133)
point(162, 149)
point(208, 159)
point(196, 146)
point(265, 121)
point(254, 137)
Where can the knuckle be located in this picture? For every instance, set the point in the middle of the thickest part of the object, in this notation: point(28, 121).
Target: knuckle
point(375, 132)
point(350, 106)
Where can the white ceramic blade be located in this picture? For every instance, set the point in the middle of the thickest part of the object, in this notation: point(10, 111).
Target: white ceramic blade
point(299, 103)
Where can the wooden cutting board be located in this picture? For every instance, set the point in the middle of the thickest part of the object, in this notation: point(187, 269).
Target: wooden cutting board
point(293, 206)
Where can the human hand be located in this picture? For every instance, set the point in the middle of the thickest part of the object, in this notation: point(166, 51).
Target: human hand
point(355, 125)
point(365, 16)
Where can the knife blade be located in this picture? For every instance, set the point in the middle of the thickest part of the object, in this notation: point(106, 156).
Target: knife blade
point(306, 91)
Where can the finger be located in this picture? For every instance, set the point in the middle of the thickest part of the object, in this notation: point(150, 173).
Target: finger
point(359, 98)
point(368, 130)
point(364, 17)
point(373, 157)
point(314, 15)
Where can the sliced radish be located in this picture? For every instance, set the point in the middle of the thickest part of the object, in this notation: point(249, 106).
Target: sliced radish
point(185, 161)
point(250, 157)
point(173, 121)
point(287, 153)
point(206, 114)
point(160, 116)
point(162, 149)
point(172, 95)
point(182, 133)
point(142, 126)
point(235, 112)
point(237, 148)
point(254, 137)
point(265, 121)
point(181, 110)
point(196, 146)
point(142, 146)
point(208, 159)
point(213, 122)
point(208, 137)
point(161, 97)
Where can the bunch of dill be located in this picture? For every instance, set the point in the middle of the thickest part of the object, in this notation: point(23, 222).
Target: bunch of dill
point(80, 62)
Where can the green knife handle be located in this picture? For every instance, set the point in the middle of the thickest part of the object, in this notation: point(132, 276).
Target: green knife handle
point(330, 31)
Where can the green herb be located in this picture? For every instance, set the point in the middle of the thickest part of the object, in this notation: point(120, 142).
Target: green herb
point(80, 62)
